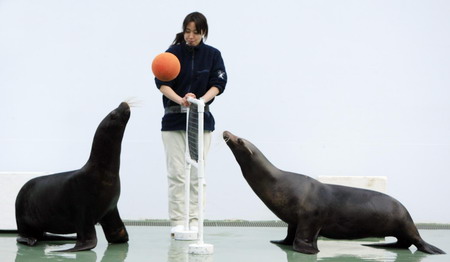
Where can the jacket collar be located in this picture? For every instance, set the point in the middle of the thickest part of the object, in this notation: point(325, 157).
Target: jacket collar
point(193, 48)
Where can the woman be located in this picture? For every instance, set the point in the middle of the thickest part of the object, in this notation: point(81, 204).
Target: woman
point(202, 76)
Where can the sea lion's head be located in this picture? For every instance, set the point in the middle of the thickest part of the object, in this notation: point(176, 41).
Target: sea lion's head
point(242, 149)
point(119, 116)
point(109, 134)
point(252, 161)
point(117, 119)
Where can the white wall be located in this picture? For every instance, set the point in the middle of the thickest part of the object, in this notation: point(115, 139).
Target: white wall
point(321, 87)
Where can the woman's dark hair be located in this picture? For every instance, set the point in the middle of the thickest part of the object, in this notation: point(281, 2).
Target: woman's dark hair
point(201, 26)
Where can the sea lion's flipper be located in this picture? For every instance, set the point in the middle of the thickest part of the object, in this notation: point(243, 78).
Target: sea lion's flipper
point(302, 246)
point(421, 246)
point(82, 245)
point(113, 227)
point(428, 248)
point(29, 241)
point(86, 240)
point(289, 240)
point(306, 239)
point(400, 244)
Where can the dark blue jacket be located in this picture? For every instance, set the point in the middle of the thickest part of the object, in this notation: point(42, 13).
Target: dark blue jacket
point(201, 68)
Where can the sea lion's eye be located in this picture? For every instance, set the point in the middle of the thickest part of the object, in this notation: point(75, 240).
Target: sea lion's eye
point(114, 115)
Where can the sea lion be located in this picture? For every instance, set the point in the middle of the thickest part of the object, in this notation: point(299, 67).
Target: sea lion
point(74, 201)
point(312, 209)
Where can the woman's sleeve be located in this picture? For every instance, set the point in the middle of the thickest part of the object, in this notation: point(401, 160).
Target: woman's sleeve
point(218, 76)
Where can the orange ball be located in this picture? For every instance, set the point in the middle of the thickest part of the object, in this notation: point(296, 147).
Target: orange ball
point(166, 66)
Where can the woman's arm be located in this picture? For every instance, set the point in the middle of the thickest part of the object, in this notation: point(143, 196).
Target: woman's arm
point(169, 93)
point(212, 92)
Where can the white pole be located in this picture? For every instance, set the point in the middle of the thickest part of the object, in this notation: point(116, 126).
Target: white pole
point(200, 248)
point(187, 187)
point(201, 170)
point(186, 234)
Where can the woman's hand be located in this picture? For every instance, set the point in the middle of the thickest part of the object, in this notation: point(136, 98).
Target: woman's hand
point(169, 93)
point(184, 101)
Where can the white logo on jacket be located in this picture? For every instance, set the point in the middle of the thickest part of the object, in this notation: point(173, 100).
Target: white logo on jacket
point(221, 74)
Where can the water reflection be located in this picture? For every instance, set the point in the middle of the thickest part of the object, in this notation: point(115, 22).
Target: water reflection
point(115, 253)
point(349, 251)
point(46, 252)
point(40, 253)
point(178, 252)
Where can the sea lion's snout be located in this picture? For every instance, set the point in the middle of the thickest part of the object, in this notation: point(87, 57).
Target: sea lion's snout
point(125, 108)
point(227, 136)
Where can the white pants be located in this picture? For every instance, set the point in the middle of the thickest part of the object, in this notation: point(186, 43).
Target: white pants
point(175, 145)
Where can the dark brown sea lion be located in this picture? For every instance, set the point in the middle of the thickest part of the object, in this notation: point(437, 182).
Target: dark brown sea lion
point(312, 209)
point(74, 201)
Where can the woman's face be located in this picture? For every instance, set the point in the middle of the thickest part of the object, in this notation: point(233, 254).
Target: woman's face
point(191, 35)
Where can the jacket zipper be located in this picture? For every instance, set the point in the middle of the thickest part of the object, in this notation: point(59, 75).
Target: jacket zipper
point(192, 71)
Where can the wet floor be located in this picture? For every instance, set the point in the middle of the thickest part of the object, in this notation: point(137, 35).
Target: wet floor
point(148, 243)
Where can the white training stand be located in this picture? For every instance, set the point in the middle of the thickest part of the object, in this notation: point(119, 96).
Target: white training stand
point(186, 234)
point(199, 248)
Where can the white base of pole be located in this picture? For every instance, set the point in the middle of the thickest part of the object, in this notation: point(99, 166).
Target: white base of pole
point(186, 235)
point(201, 249)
